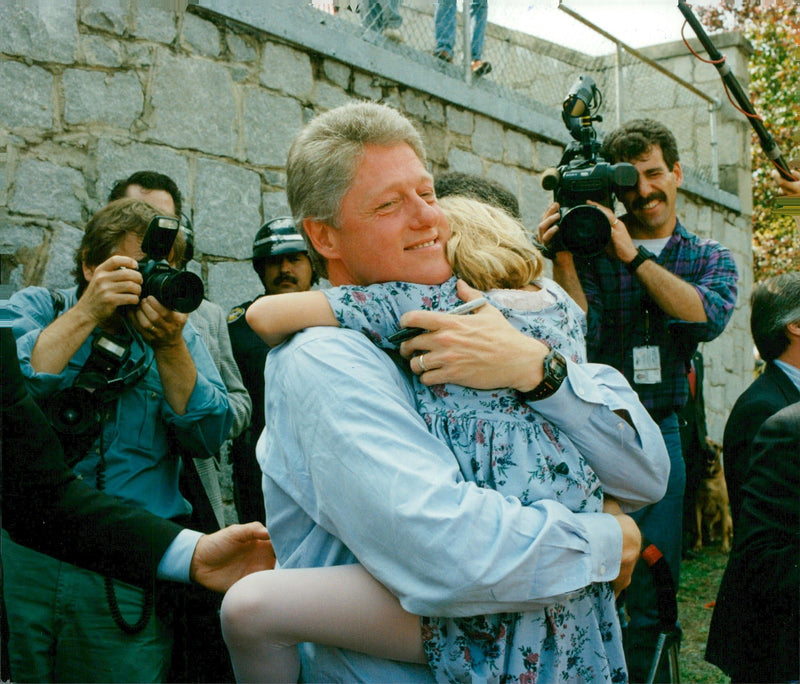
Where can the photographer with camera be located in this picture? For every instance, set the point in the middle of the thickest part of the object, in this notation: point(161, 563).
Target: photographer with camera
point(651, 296)
point(162, 193)
point(116, 370)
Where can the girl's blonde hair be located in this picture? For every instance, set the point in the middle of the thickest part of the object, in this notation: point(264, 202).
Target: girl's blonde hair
point(487, 247)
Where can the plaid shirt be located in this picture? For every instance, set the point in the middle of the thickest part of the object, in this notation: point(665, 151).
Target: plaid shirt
point(623, 316)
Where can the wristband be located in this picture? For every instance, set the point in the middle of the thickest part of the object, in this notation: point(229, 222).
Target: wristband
point(545, 251)
point(642, 255)
point(555, 370)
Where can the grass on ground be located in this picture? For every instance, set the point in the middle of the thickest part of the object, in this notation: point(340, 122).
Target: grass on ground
point(700, 578)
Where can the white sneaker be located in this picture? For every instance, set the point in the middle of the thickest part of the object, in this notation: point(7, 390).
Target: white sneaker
point(393, 34)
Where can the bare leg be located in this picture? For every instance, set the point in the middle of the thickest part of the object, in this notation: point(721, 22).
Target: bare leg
point(266, 614)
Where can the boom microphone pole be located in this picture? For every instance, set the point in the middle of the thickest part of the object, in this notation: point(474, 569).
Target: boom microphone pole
point(767, 142)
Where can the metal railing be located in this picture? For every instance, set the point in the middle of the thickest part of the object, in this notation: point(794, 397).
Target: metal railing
point(633, 85)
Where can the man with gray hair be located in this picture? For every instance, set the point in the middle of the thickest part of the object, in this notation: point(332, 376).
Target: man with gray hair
point(352, 474)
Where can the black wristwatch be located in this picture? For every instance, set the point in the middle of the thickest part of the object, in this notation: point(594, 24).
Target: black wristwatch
point(642, 255)
point(555, 370)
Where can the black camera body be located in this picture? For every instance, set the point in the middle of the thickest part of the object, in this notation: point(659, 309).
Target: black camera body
point(74, 410)
point(78, 411)
point(177, 290)
point(584, 230)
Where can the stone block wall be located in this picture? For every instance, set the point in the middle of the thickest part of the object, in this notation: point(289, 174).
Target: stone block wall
point(213, 96)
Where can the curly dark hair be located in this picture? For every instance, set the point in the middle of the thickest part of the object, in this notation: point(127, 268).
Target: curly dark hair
point(634, 138)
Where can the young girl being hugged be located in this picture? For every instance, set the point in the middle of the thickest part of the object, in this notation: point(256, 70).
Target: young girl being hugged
point(496, 437)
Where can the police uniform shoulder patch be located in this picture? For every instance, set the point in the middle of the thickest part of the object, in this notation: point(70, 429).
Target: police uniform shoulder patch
point(236, 313)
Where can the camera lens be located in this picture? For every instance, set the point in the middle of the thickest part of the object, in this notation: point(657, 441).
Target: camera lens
point(71, 411)
point(186, 291)
point(177, 290)
point(70, 417)
point(584, 230)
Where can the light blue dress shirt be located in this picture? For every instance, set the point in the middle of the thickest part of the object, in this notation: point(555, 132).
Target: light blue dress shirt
point(139, 468)
point(176, 562)
point(351, 474)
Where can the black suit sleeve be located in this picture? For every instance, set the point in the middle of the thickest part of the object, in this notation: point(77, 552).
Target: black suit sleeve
point(768, 394)
point(46, 508)
point(769, 533)
point(754, 630)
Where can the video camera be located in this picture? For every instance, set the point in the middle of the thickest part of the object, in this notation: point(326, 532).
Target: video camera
point(584, 230)
point(177, 290)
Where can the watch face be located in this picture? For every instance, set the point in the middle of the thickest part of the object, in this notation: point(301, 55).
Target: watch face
point(557, 366)
point(555, 370)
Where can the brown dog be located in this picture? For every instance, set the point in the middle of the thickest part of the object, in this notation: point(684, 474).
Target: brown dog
point(712, 511)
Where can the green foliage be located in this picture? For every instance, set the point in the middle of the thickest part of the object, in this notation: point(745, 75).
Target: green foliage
point(773, 29)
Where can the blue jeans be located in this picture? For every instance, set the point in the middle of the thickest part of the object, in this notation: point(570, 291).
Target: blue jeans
point(444, 21)
point(661, 524)
point(381, 14)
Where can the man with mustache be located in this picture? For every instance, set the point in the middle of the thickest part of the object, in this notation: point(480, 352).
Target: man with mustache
point(656, 292)
point(282, 265)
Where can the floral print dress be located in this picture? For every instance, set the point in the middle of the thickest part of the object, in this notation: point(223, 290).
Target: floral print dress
point(504, 444)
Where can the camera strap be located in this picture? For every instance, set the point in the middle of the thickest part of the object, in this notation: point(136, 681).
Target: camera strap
point(76, 446)
point(59, 302)
point(108, 582)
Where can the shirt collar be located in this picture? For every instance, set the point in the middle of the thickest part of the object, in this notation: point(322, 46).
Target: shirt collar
point(792, 371)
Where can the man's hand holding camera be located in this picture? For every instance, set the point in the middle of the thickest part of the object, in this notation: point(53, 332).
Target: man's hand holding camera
point(163, 330)
point(113, 284)
point(620, 246)
point(117, 283)
point(158, 325)
point(113, 290)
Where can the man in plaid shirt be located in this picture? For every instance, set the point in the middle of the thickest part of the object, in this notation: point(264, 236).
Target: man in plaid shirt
point(650, 297)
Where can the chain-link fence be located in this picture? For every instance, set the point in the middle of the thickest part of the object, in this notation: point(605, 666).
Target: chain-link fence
point(518, 65)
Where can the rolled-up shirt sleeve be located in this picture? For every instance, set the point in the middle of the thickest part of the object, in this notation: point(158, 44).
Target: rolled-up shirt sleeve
point(207, 421)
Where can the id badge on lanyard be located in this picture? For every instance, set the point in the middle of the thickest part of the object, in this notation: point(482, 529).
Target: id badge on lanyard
point(647, 359)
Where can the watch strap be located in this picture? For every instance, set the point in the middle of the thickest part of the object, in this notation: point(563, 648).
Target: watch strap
point(642, 255)
point(555, 370)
